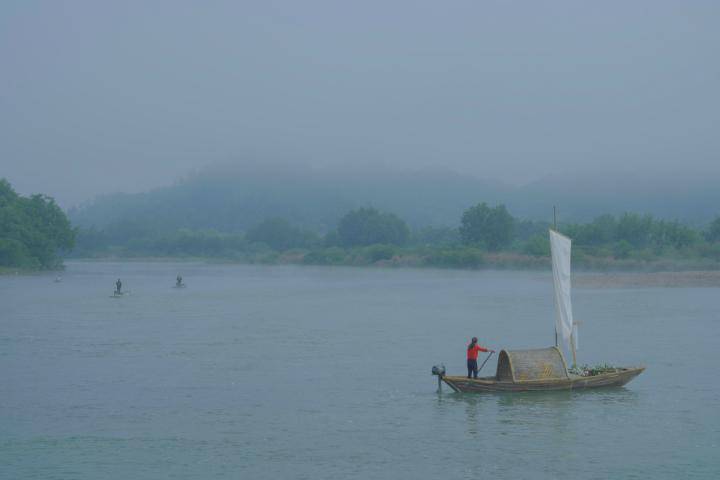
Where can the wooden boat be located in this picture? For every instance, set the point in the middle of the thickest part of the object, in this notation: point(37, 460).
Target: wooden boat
point(538, 370)
point(545, 368)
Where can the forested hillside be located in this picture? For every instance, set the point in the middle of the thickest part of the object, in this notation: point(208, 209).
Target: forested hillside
point(255, 213)
point(233, 198)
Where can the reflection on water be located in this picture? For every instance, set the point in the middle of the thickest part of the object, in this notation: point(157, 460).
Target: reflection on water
point(550, 399)
point(621, 396)
point(526, 408)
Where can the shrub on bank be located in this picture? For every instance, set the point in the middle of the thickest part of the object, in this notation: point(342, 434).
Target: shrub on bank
point(537, 246)
point(375, 253)
point(326, 256)
point(466, 257)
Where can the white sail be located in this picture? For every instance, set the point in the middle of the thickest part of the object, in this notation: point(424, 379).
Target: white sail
point(560, 247)
point(575, 335)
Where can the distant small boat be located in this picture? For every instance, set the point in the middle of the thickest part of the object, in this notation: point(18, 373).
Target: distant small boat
point(179, 285)
point(117, 294)
point(545, 369)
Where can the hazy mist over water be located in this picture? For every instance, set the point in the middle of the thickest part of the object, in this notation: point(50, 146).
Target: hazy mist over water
point(100, 97)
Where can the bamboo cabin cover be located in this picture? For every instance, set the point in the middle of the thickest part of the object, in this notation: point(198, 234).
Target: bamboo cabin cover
point(528, 365)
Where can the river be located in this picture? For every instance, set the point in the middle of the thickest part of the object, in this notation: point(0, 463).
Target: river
point(259, 372)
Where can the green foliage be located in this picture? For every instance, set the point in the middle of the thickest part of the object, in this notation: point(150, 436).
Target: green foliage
point(713, 233)
point(7, 194)
point(332, 239)
point(439, 236)
point(634, 229)
point(492, 227)
point(205, 243)
point(181, 243)
point(368, 226)
point(375, 253)
point(537, 245)
point(601, 231)
point(631, 232)
point(367, 236)
point(91, 241)
point(326, 256)
point(280, 235)
point(14, 254)
point(462, 257)
point(622, 249)
point(710, 250)
point(526, 229)
point(588, 371)
point(672, 234)
point(34, 231)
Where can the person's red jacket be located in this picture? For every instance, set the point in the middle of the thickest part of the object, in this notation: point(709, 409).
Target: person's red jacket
point(473, 352)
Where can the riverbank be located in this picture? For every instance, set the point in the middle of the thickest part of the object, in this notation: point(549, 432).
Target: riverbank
point(709, 279)
point(23, 271)
point(582, 279)
point(461, 259)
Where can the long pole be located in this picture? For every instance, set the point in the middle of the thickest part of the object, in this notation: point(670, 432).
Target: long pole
point(572, 346)
point(488, 358)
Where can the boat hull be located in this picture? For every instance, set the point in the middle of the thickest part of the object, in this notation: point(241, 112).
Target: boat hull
point(618, 378)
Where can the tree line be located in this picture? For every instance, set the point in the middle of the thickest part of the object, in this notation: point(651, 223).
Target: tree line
point(34, 231)
point(367, 235)
point(36, 234)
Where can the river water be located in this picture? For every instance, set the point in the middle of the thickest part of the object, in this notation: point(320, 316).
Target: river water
point(260, 372)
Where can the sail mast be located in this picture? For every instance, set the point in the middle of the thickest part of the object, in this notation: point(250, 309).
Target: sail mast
point(555, 228)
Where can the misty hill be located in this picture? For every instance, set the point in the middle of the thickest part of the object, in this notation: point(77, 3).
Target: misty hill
point(690, 198)
point(234, 198)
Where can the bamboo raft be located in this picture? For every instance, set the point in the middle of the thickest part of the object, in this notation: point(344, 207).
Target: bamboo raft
point(536, 370)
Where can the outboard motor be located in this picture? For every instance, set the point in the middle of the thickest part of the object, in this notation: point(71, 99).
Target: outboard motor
point(439, 370)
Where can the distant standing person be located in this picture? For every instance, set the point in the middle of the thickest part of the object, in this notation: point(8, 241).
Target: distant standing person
point(178, 280)
point(472, 354)
point(118, 286)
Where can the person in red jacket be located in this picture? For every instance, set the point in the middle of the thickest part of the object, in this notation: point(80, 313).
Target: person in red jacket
point(472, 354)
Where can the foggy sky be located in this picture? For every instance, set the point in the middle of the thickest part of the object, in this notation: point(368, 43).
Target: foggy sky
point(123, 96)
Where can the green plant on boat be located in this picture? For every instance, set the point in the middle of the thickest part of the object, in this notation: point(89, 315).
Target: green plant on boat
point(588, 371)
